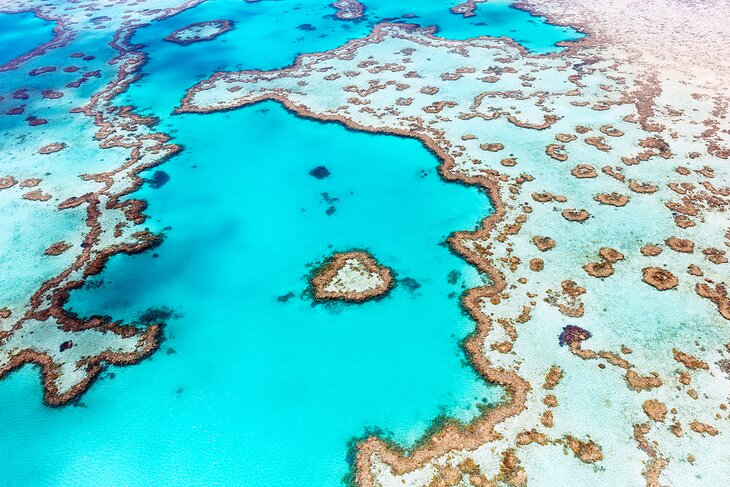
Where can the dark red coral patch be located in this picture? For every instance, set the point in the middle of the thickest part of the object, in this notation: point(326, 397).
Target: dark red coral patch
point(572, 334)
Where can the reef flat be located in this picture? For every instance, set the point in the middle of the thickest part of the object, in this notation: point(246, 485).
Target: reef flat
point(603, 313)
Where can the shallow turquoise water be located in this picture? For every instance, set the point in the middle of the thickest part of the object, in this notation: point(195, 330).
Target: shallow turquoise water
point(249, 389)
point(21, 33)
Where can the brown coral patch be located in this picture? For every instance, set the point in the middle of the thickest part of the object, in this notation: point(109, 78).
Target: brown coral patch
point(543, 243)
point(51, 94)
point(598, 142)
point(493, 147)
point(682, 245)
point(599, 269)
point(615, 173)
point(586, 451)
point(556, 151)
point(689, 361)
point(348, 9)
point(610, 255)
point(508, 161)
point(717, 295)
point(703, 428)
point(30, 182)
point(694, 270)
point(542, 197)
point(528, 437)
point(638, 382)
point(550, 401)
point(658, 144)
point(186, 35)
point(510, 471)
point(36, 195)
point(438, 106)
point(51, 148)
point(7, 182)
point(656, 410)
point(565, 138)
point(575, 215)
point(659, 278)
point(553, 377)
point(572, 311)
point(612, 199)
point(57, 248)
point(644, 188)
point(716, 256)
point(611, 131)
point(465, 8)
point(584, 171)
point(651, 250)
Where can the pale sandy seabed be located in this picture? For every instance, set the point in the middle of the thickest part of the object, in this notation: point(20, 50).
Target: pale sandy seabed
point(607, 164)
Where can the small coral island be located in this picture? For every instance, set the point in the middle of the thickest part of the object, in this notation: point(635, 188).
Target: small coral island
point(351, 276)
point(199, 31)
point(348, 9)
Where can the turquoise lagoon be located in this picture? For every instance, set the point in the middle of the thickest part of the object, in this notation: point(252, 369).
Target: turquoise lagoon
point(21, 33)
point(255, 384)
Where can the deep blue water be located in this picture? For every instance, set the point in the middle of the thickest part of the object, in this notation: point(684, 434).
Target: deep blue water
point(250, 388)
point(21, 33)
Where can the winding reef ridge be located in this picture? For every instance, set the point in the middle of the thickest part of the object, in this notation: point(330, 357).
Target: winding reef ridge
point(607, 317)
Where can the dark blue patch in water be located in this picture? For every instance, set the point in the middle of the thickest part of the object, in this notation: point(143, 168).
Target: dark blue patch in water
point(158, 179)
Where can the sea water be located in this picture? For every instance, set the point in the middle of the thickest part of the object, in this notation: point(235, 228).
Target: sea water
point(21, 33)
point(255, 383)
